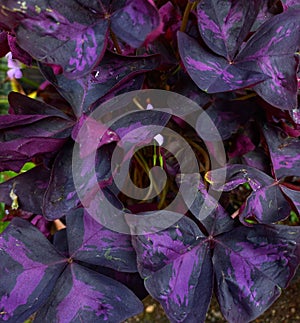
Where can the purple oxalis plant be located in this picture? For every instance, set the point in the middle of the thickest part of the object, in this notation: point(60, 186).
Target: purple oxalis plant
point(239, 60)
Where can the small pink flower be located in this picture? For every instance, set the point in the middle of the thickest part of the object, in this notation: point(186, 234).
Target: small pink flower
point(14, 67)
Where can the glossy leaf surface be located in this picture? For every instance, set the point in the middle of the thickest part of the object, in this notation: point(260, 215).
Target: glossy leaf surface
point(214, 73)
point(26, 256)
point(224, 25)
point(179, 265)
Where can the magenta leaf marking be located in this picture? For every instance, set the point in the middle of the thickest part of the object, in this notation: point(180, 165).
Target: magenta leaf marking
point(224, 25)
point(214, 73)
point(284, 152)
point(91, 242)
point(272, 50)
point(259, 262)
point(30, 274)
point(266, 203)
point(178, 266)
point(84, 295)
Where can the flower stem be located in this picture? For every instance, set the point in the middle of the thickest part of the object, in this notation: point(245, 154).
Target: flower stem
point(189, 7)
point(115, 41)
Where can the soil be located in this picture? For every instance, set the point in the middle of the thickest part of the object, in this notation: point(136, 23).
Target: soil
point(285, 310)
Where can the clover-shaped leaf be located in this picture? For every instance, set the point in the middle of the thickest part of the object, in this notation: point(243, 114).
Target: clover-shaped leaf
point(266, 203)
point(221, 26)
point(75, 35)
point(267, 62)
point(45, 278)
point(180, 263)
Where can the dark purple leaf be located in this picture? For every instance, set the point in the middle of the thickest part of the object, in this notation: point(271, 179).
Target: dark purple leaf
point(131, 85)
point(11, 120)
point(284, 152)
point(214, 73)
point(185, 86)
point(70, 35)
point(177, 269)
point(257, 159)
point(123, 126)
point(23, 105)
point(264, 14)
point(271, 50)
point(132, 280)
point(224, 25)
point(135, 21)
point(241, 145)
point(61, 196)
point(15, 153)
point(113, 71)
point(236, 175)
point(241, 259)
point(266, 203)
point(29, 188)
point(226, 116)
point(211, 214)
point(293, 195)
point(35, 129)
point(251, 267)
point(75, 35)
point(26, 126)
point(92, 243)
point(31, 267)
point(38, 276)
point(82, 295)
point(179, 286)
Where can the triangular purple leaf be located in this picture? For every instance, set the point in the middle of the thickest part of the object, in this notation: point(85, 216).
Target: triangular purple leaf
point(214, 73)
point(24, 105)
point(251, 266)
point(135, 21)
point(111, 73)
point(226, 116)
point(82, 295)
point(272, 51)
point(91, 242)
point(224, 25)
point(61, 196)
point(15, 153)
point(180, 286)
point(266, 203)
point(31, 267)
point(284, 152)
point(49, 31)
point(177, 268)
point(293, 195)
